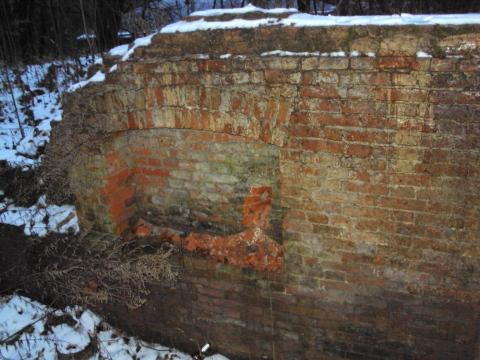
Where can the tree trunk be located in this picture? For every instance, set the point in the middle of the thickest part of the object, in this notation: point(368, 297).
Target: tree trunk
point(107, 22)
point(304, 6)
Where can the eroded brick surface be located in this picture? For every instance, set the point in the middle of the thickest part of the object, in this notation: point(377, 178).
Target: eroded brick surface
point(344, 191)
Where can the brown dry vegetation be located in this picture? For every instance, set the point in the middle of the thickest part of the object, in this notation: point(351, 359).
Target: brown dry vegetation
point(90, 270)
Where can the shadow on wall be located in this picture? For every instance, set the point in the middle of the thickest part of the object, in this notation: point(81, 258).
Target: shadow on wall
point(210, 193)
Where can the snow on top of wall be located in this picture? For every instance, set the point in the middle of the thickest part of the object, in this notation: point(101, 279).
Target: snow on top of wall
point(243, 10)
point(119, 50)
point(98, 77)
point(307, 20)
point(202, 25)
point(125, 51)
point(315, 53)
point(423, 54)
point(385, 20)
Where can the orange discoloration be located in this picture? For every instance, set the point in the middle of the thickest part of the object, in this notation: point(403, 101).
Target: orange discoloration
point(119, 196)
point(141, 230)
point(132, 124)
point(115, 180)
point(257, 206)
point(159, 96)
point(251, 248)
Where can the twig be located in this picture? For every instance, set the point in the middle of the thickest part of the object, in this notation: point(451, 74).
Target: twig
point(22, 132)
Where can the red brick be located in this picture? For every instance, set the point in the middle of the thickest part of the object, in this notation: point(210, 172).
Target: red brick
point(357, 150)
point(322, 92)
point(411, 179)
point(132, 123)
point(403, 62)
point(368, 137)
point(322, 145)
point(333, 134)
point(403, 204)
point(362, 187)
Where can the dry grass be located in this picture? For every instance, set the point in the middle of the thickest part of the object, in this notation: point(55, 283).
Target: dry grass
point(78, 271)
point(64, 152)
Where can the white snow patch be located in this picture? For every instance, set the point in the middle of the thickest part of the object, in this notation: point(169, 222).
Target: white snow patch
point(422, 54)
point(243, 10)
point(143, 41)
point(124, 34)
point(98, 77)
point(314, 53)
point(225, 56)
point(86, 37)
point(337, 54)
point(289, 53)
point(89, 321)
point(119, 50)
point(202, 25)
point(216, 357)
point(17, 313)
point(69, 340)
point(40, 219)
point(44, 105)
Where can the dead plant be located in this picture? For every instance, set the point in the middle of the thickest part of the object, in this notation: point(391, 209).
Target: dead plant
point(90, 272)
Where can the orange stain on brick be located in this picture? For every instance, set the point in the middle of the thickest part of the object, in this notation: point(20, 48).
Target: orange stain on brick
point(251, 248)
point(256, 207)
point(141, 230)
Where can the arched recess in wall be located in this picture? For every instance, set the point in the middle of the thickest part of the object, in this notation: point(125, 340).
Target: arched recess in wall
point(199, 165)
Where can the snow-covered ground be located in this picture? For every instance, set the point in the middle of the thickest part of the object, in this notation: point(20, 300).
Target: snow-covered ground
point(37, 90)
point(40, 218)
point(31, 330)
point(30, 99)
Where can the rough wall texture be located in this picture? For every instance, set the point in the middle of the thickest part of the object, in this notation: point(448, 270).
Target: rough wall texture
point(343, 190)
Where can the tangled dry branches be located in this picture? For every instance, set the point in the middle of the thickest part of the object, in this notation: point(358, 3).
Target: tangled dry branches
point(85, 273)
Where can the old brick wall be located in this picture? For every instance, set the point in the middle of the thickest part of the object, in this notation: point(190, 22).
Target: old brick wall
point(361, 174)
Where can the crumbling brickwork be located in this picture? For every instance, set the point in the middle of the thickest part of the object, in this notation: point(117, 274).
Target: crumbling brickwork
point(361, 173)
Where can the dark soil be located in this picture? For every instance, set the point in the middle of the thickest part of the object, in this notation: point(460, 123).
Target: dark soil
point(20, 186)
point(21, 257)
point(13, 258)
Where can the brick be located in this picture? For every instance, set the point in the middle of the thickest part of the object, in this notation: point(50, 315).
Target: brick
point(368, 137)
point(443, 64)
point(361, 63)
point(321, 145)
point(366, 188)
point(403, 204)
point(323, 92)
point(357, 150)
point(392, 63)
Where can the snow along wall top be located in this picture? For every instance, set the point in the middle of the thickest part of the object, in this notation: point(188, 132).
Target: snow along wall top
point(340, 157)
